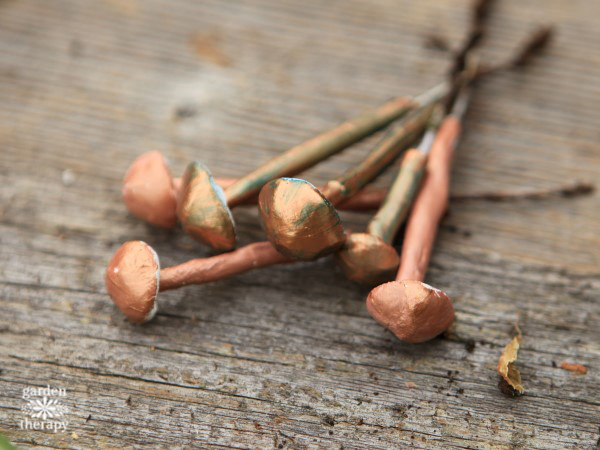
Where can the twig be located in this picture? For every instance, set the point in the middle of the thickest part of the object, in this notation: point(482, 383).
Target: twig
point(371, 197)
point(535, 43)
point(479, 15)
point(577, 189)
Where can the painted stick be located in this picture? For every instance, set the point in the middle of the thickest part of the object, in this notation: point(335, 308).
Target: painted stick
point(301, 221)
point(369, 258)
point(203, 207)
point(412, 310)
point(134, 278)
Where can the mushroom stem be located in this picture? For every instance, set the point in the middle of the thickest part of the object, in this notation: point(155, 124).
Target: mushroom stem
point(386, 222)
point(133, 277)
point(412, 310)
point(369, 258)
point(204, 270)
point(432, 200)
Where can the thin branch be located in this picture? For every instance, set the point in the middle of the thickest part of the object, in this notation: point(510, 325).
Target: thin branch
point(480, 12)
point(535, 43)
point(577, 189)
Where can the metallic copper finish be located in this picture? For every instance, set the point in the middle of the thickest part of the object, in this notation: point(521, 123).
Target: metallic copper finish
point(302, 222)
point(150, 193)
point(140, 198)
point(393, 212)
point(382, 155)
point(367, 260)
point(299, 220)
point(204, 270)
point(291, 162)
point(133, 276)
point(148, 190)
point(412, 310)
point(203, 211)
point(148, 204)
point(430, 204)
point(305, 155)
point(212, 222)
point(131, 280)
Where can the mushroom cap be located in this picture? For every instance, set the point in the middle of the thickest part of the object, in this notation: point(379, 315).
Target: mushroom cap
point(367, 259)
point(412, 310)
point(202, 209)
point(148, 191)
point(299, 221)
point(132, 280)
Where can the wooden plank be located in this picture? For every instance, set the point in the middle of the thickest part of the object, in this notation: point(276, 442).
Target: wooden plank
point(288, 356)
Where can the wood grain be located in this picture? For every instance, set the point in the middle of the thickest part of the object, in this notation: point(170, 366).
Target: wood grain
point(287, 357)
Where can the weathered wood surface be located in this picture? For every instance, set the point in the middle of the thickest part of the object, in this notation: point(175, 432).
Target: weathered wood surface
point(288, 357)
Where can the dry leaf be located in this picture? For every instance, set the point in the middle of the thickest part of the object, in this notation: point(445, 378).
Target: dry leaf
point(577, 368)
point(511, 378)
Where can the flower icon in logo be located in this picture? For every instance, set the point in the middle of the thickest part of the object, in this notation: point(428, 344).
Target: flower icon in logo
point(44, 408)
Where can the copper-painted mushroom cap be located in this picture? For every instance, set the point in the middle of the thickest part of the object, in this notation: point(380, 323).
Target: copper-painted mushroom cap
point(132, 280)
point(412, 310)
point(148, 190)
point(202, 209)
point(367, 260)
point(299, 221)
